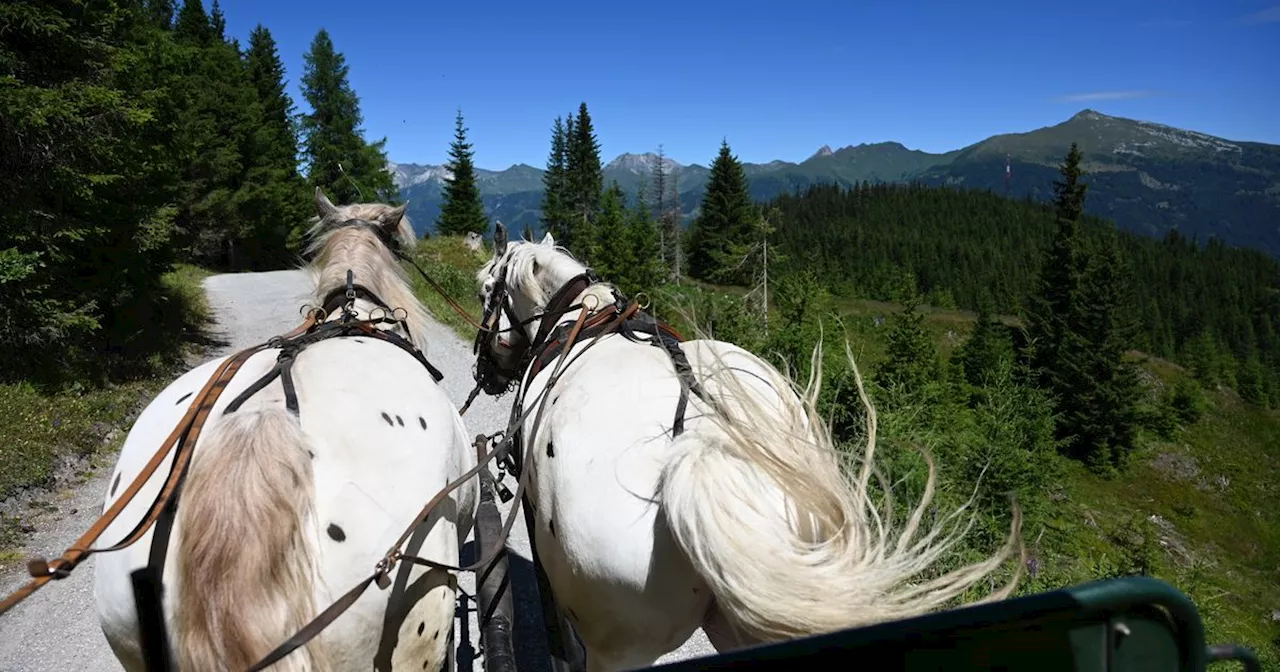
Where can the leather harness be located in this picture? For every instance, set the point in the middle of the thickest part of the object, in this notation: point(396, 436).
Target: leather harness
point(624, 317)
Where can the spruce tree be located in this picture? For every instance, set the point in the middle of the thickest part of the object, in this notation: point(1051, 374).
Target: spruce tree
point(912, 361)
point(554, 184)
point(193, 23)
point(648, 271)
point(274, 192)
point(584, 179)
point(85, 174)
point(160, 12)
point(613, 251)
point(725, 221)
point(660, 205)
point(341, 162)
point(219, 121)
point(980, 357)
point(1102, 410)
point(462, 211)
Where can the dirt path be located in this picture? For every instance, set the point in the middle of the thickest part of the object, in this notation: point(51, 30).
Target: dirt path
point(57, 628)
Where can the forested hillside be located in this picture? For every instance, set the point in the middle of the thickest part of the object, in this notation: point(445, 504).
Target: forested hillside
point(1146, 178)
point(141, 148)
point(1123, 388)
point(136, 135)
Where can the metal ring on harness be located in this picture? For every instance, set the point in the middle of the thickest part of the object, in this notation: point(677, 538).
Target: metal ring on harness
point(645, 303)
point(403, 314)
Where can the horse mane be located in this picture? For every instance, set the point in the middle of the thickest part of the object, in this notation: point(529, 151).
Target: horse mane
point(540, 269)
point(334, 249)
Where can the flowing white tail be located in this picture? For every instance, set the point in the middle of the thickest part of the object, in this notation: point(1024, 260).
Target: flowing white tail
point(245, 572)
point(789, 547)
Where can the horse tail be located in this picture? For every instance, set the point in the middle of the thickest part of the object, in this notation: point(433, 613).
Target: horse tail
point(758, 501)
point(245, 563)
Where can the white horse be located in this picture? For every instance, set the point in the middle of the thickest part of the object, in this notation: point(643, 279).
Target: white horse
point(282, 514)
point(745, 524)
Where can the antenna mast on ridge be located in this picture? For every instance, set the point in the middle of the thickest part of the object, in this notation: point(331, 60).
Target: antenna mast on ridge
point(1008, 172)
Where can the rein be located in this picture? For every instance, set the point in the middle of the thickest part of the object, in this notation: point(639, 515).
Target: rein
point(184, 436)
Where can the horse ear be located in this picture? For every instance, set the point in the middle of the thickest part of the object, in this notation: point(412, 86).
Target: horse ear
point(391, 218)
point(499, 239)
point(548, 240)
point(324, 207)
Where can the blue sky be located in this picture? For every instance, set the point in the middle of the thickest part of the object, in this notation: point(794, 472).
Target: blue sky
point(779, 80)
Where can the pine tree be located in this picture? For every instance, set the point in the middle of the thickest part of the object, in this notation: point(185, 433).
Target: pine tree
point(220, 118)
point(660, 204)
point(217, 21)
point(160, 12)
point(1056, 308)
point(193, 24)
point(648, 271)
point(912, 357)
point(1106, 390)
point(725, 221)
point(613, 250)
point(274, 192)
point(462, 211)
point(341, 162)
point(988, 345)
point(584, 178)
point(554, 184)
point(85, 232)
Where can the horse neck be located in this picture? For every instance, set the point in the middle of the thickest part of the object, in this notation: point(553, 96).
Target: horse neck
point(373, 267)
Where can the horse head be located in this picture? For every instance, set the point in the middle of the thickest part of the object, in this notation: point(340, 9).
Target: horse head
point(516, 288)
point(366, 241)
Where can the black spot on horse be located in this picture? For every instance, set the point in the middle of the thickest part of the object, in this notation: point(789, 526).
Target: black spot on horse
point(183, 398)
point(388, 419)
point(435, 635)
point(311, 454)
point(551, 449)
point(115, 484)
point(336, 533)
point(400, 420)
point(421, 626)
point(552, 524)
point(422, 421)
point(357, 340)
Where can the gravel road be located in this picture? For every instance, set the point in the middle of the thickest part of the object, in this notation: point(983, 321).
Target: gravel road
point(57, 628)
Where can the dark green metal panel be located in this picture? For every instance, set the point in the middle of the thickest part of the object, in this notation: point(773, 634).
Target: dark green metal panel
point(1133, 624)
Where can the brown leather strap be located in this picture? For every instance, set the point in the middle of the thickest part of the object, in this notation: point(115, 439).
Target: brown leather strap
point(382, 569)
point(187, 430)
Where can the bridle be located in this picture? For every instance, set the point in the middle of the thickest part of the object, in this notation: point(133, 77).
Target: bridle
point(499, 365)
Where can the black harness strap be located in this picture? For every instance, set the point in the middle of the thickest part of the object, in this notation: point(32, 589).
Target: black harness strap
point(664, 337)
point(289, 350)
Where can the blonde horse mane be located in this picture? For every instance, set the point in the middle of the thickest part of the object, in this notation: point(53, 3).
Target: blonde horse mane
point(335, 249)
point(871, 569)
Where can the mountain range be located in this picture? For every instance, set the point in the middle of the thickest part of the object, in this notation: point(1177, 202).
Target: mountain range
point(1148, 178)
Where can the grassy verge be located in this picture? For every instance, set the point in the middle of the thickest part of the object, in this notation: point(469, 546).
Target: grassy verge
point(453, 265)
point(52, 435)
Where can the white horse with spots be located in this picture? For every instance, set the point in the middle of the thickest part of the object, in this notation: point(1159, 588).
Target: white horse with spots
point(745, 524)
point(282, 514)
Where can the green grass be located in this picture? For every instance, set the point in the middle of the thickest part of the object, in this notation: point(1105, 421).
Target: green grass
point(453, 266)
point(45, 426)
